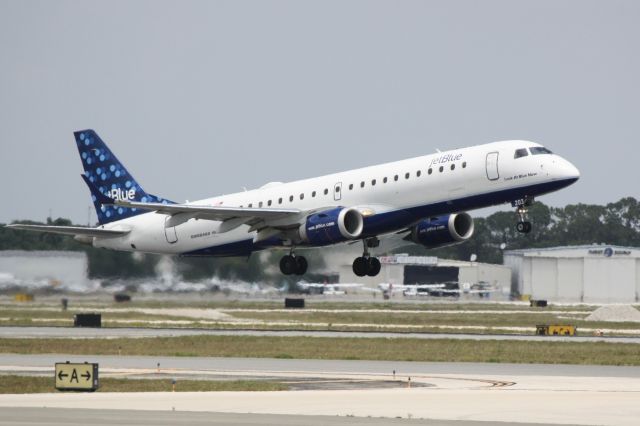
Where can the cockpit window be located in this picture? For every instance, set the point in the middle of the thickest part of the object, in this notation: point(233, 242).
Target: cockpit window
point(520, 153)
point(537, 150)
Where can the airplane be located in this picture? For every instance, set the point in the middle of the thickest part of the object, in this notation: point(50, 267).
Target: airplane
point(442, 289)
point(424, 200)
point(390, 287)
point(335, 289)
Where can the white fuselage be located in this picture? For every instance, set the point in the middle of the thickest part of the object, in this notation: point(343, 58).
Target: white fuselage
point(391, 196)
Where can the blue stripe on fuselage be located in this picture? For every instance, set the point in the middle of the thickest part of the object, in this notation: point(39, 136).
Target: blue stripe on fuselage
point(387, 222)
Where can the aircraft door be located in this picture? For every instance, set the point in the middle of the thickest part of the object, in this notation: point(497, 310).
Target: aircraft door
point(337, 191)
point(492, 166)
point(170, 232)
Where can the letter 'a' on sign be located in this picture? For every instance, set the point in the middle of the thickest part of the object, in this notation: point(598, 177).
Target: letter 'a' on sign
point(77, 376)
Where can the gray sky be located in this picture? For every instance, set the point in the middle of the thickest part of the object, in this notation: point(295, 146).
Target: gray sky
point(202, 98)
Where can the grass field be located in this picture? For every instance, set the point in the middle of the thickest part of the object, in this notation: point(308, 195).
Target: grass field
point(29, 384)
point(443, 350)
point(451, 317)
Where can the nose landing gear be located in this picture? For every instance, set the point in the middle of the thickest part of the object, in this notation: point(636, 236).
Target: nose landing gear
point(523, 226)
point(366, 264)
point(292, 264)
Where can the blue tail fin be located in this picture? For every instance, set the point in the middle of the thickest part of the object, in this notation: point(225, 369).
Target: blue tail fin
point(107, 175)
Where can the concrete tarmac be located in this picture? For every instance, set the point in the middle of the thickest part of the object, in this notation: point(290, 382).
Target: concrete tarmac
point(113, 333)
point(315, 366)
point(459, 392)
point(82, 417)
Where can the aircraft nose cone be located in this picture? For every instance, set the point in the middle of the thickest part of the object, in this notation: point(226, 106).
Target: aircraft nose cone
point(572, 171)
point(566, 170)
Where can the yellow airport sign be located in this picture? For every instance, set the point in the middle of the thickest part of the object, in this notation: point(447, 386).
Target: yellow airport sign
point(77, 376)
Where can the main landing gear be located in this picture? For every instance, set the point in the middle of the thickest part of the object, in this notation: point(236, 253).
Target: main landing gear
point(292, 264)
point(367, 265)
point(523, 226)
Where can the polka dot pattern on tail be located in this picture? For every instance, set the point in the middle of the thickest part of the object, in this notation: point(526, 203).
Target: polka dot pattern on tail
point(101, 165)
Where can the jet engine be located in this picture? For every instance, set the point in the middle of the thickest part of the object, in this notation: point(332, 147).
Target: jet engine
point(332, 226)
point(442, 231)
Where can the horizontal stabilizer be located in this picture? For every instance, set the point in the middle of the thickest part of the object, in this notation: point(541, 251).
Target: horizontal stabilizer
point(70, 230)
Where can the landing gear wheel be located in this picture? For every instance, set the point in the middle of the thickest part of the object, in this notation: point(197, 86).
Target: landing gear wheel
point(364, 266)
point(360, 266)
point(374, 267)
point(523, 227)
point(301, 265)
point(288, 265)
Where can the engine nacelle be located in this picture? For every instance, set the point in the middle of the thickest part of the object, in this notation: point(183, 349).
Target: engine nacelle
point(332, 226)
point(443, 231)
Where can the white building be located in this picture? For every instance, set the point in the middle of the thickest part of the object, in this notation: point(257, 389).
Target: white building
point(403, 269)
point(590, 274)
point(33, 270)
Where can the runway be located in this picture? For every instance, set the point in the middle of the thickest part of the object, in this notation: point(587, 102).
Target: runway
point(314, 366)
point(458, 392)
point(114, 333)
point(82, 417)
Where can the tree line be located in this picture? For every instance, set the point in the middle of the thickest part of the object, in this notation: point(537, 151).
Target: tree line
point(615, 223)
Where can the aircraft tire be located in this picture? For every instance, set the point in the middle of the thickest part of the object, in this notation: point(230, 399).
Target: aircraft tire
point(360, 266)
point(301, 265)
point(373, 267)
point(523, 227)
point(288, 265)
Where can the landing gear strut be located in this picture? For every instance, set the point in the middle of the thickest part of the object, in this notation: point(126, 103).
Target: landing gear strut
point(367, 265)
point(523, 226)
point(292, 264)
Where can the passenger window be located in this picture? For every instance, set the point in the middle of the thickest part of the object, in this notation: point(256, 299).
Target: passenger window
point(313, 194)
point(260, 204)
point(302, 196)
point(441, 169)
point(418, 173)
point(350, 186)
point(522, 152)
point(250, 205)
point(280, 200)
point(430, 170)
point(464, 164)
point(373, 182)
point(384, 180)
point(269, 203)
point(395, 178)
point(290, 198)
point(326, 191)
point(406, 175)
point(453, 166)
point(362, 184)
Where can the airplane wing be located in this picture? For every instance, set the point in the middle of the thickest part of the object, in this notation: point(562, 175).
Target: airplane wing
point(70, 230)
point(257, 218)
point(209, 212)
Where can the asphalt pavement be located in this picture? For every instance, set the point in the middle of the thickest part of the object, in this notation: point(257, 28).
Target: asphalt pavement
point(116, 332)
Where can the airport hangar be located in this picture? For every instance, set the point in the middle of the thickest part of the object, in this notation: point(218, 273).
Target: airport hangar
point(589, 274)
point(404, 269)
